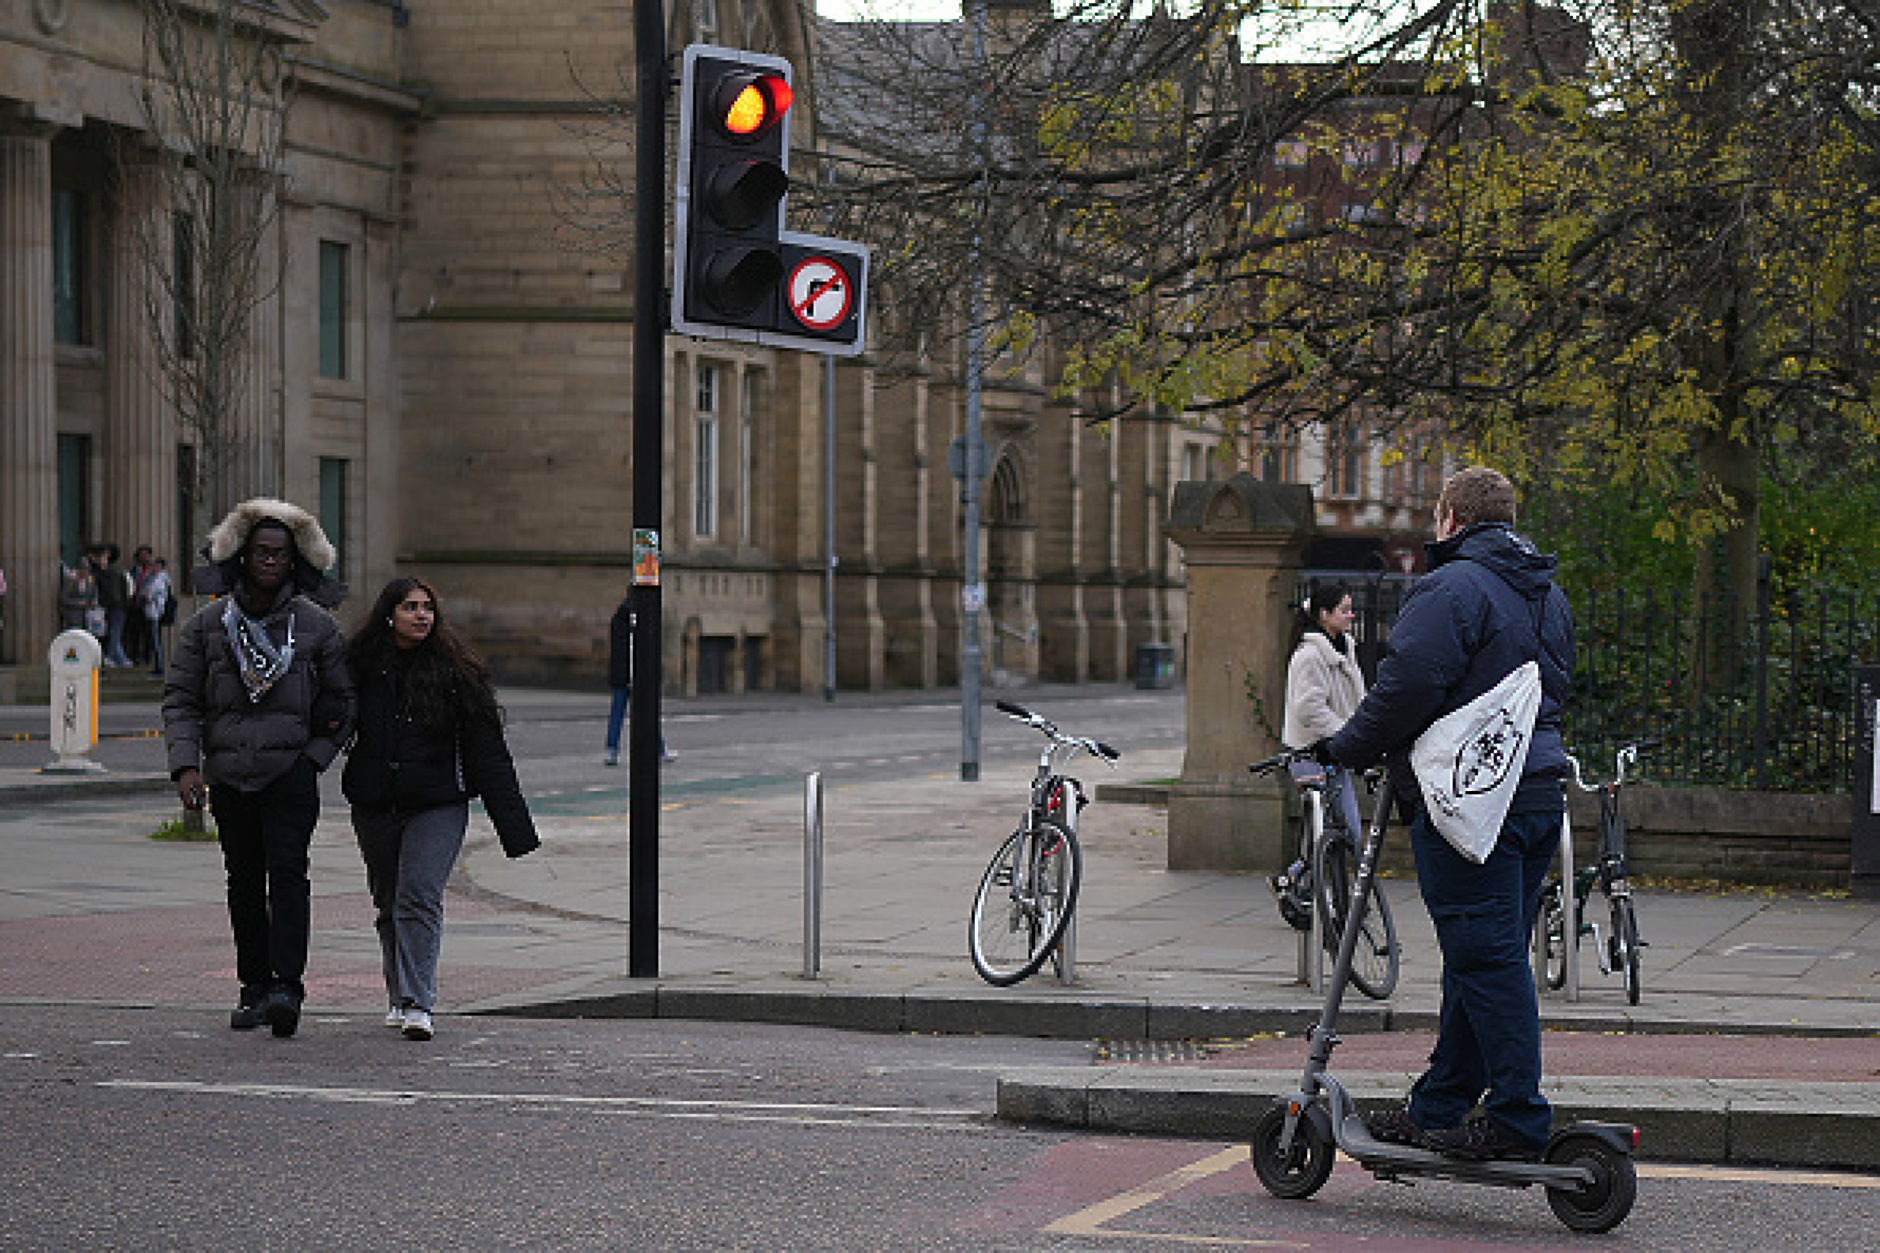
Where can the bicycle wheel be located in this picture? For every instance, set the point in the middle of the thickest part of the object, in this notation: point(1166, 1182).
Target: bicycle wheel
point(1374, 961)
point(1024, 902)
point(1625, 946)
point(1554, 935)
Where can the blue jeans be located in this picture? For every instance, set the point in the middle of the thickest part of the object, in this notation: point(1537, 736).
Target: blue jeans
point(408, 860)
point(1488, 1046)
point(616, 714)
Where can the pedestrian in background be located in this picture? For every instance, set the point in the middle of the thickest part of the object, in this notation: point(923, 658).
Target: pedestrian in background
point(1323, 681)
point(136, 621)
point(1323, 688)
point(114, 595)
point(1487, 606)
point(159, 602)
point(78, 599)
point(430, 737)
point(257, 703)
point(620, 679)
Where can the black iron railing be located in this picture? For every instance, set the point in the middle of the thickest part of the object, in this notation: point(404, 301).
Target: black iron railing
point(1750, 695)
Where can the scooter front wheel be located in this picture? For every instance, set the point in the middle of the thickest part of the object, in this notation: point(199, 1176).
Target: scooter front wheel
point(1304, 1168)
point(1603, 1204)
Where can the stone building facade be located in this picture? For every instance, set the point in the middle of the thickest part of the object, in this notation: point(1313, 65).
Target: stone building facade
point(444, 374)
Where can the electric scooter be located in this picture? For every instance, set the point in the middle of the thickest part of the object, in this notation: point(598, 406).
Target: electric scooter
point(1587, 1167)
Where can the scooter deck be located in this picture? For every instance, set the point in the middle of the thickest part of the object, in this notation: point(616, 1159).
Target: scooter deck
point(1388, 1161)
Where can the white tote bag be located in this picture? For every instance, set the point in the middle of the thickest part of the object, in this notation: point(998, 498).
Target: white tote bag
point(1468, 762)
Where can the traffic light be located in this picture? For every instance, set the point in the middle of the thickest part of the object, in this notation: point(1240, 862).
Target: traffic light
point(737, 274)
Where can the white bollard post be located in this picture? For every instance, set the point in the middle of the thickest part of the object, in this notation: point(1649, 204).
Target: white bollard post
point(75, 656)
point(812, 874)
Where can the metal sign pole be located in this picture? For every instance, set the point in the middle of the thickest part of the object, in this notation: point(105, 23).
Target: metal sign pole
point(649, 417)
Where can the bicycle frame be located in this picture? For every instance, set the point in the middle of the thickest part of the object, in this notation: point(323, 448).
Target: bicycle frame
point(1324, 786)
point(1055, 794)
point(1608, 871)
point(1032, 882)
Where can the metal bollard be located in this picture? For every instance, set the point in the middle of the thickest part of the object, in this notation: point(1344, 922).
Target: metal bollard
point(1570, 903)
point(812, 874)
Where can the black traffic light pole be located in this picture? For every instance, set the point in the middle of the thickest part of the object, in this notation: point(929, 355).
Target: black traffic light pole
point(649, 416)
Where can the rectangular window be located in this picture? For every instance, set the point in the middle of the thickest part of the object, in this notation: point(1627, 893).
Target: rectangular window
point(333, 310)
point(333, 508)
point(1197, 463)
point(183, 283)
point(74, 495)
point(1344, 462)
point(184, 561)
point(70, 317)
point(1278, 454)
point(705, 454)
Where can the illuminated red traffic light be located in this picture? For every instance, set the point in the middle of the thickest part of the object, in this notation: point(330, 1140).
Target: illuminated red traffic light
point(747, 105)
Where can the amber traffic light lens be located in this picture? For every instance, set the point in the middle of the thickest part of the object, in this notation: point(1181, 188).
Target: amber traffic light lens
point(759, 104)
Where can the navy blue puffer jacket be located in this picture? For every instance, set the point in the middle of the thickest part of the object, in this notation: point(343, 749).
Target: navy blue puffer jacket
point(1487, 603)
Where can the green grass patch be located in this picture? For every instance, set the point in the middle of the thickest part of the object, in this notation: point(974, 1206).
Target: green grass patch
point(175, 830)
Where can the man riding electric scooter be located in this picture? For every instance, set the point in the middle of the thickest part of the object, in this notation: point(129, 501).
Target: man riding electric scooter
point(1486, 609)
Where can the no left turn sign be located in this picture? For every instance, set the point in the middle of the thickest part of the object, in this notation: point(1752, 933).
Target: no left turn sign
point(821, 293)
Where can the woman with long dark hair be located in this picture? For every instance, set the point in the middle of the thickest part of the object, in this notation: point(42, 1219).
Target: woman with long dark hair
point(1323, 688)
point(430, 736)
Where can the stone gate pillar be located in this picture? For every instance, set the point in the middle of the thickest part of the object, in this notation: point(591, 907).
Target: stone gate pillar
point(1242, 541)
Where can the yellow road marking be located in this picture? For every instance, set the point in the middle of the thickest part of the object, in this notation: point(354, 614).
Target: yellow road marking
point(1090, 1220)
point(1738, 1174)
point(1093, 1220)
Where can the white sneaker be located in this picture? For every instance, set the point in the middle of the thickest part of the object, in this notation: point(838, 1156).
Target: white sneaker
point(612, 758)
point(395, 1018)
point(418, 1025)
point(668, 754)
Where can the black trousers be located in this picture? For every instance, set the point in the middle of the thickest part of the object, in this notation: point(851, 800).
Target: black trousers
point(265, 836)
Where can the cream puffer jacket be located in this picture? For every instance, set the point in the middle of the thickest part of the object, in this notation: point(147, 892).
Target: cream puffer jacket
point(1323, 688)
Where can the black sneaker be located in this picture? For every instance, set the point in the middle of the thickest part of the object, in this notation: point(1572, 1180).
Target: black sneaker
point(1393, 1126)
point(1480, 1140)
point(282, 1010)
point(248, 1014)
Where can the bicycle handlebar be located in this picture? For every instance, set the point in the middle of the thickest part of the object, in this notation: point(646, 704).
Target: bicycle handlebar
point(1627, 754)
point(1096, 748)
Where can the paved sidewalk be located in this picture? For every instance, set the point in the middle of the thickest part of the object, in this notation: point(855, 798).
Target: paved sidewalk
point(1199, 962)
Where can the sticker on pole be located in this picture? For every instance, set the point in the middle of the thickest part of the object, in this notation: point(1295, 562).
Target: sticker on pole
point(821, 293)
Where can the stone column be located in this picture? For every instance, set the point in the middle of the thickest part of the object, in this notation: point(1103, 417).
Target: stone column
point(139, 436)
point(1243, 541)
point(29, 482)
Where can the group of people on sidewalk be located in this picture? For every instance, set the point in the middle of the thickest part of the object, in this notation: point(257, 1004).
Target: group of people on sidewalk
point(128, 609)
point(1487, 606)
point(265, 691)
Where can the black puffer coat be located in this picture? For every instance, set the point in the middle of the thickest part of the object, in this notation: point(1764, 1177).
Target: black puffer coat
point(402, 764)
point(1488, 604)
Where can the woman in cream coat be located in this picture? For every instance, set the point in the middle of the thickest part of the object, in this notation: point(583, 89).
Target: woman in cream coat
point(1323, 688)
point(1323, 682)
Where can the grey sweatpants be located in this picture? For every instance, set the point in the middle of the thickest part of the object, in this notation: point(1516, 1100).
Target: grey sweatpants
point(408, 859)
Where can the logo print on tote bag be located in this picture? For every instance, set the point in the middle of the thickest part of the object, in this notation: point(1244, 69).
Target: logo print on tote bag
point(1490, 750)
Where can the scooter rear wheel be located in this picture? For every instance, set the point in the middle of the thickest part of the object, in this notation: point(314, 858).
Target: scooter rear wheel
point(1302, 1170)
point(1603, 1204)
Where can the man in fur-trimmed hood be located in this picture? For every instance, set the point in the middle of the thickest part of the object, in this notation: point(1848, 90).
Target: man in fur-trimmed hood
point(258, 701)
point(314, 553)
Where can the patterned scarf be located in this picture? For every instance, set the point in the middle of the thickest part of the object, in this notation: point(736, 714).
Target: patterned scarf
point(260, 662)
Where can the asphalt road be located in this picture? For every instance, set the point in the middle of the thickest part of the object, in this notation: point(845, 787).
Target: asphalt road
point(158, 1130)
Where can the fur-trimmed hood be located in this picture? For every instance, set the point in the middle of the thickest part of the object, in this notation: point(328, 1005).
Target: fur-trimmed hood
point(226, 540)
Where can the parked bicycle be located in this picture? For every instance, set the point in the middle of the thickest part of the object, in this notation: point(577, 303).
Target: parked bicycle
point(1028, 894)
point(1618, 949)
point(1326, 872)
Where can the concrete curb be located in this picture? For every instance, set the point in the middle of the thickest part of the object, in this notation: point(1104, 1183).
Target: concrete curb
point(79, 787)
point(1821, 1125)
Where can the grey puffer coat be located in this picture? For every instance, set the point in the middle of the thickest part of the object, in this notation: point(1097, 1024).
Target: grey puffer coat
point(210, 724)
